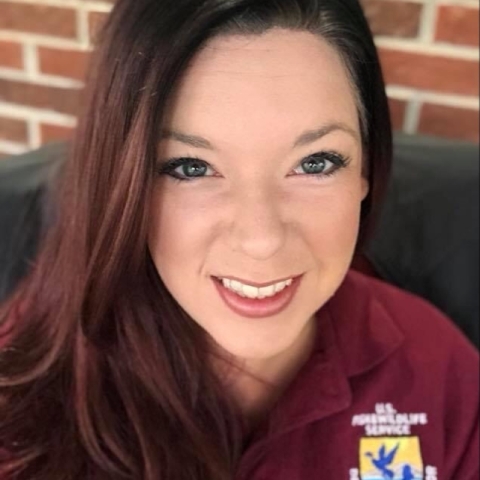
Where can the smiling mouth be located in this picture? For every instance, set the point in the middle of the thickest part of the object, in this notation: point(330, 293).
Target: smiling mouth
point(254, 290)
point(253, 302)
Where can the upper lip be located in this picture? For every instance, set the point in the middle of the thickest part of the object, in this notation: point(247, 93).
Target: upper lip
point(256, 284)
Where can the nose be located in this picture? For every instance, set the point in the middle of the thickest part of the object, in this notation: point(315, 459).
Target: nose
point(257, 229)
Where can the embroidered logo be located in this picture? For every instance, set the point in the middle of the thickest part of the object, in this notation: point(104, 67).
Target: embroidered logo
point(386, 421)
point(391, 458)
point(388, 449)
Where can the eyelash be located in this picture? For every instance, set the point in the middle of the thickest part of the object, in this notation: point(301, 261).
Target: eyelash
point(168, 168)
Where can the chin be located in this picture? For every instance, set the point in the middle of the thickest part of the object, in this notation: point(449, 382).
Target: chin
point(246, 349)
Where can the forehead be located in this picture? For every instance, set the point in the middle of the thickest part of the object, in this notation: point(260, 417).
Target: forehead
point(262, 87)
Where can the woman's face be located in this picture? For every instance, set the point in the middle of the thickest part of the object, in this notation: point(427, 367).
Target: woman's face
point(273, 187)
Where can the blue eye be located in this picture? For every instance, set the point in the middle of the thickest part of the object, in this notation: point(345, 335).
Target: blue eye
point(318, 165)
point(185, 168)
point(322, 164)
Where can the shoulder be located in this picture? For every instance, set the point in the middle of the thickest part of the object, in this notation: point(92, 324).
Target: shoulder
point(434, 368)
point(375, 321)
point(420, 322)
point(399, 349)
point(429, 353)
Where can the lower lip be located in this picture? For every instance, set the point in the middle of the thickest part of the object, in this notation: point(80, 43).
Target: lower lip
point(258, 308)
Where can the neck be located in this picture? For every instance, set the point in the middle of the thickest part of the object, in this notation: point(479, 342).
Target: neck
point(257, 387)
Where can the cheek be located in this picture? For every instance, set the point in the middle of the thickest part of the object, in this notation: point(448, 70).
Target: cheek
point(329, 221)
point(180, 230)
point(333, 238)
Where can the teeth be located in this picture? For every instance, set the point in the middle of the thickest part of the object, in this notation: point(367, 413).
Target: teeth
point(266, 291)
point(250, 292)
point(254, 292)
point(235, 286)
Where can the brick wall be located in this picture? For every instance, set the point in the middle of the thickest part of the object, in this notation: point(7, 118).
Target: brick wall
point(429, 48)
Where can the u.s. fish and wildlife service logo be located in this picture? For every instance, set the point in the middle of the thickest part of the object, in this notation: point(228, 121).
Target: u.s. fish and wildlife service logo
point(390, 458)
point(389, 449)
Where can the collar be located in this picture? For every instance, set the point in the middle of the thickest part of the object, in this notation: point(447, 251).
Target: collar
point(355, 334)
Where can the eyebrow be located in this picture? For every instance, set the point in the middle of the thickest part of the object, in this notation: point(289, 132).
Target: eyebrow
point(304, 139)
point(311, 136)
point(191, 140)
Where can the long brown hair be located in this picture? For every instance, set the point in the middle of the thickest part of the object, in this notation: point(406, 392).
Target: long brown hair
point(104, 375)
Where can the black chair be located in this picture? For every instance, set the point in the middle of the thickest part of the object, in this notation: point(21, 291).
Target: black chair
point(25, 181)
point(427, 240)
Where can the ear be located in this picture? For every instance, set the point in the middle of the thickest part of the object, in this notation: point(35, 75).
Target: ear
point(365, 176)
point(365, 187)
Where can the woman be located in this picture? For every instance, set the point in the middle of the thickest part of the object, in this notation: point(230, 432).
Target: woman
point(191, 314)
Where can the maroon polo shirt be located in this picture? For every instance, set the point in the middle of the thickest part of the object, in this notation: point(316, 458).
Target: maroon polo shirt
point(391, 392)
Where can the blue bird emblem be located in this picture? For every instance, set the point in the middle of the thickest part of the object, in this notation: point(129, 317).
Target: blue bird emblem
point(384, 461)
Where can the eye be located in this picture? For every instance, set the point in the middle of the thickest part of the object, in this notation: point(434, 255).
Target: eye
point(322, 164)
point(185, 168)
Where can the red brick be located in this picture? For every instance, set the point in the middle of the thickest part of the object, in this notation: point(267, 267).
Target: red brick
point(394, 18)
point(40, 19)
point(96, 20)
point(458, 25)
point(11, 55)
point(64, 63)
point(397, 113)
point(50, 133)
point(49, 98)
point(13, 130)
point(450, 122)
point(427, 72)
